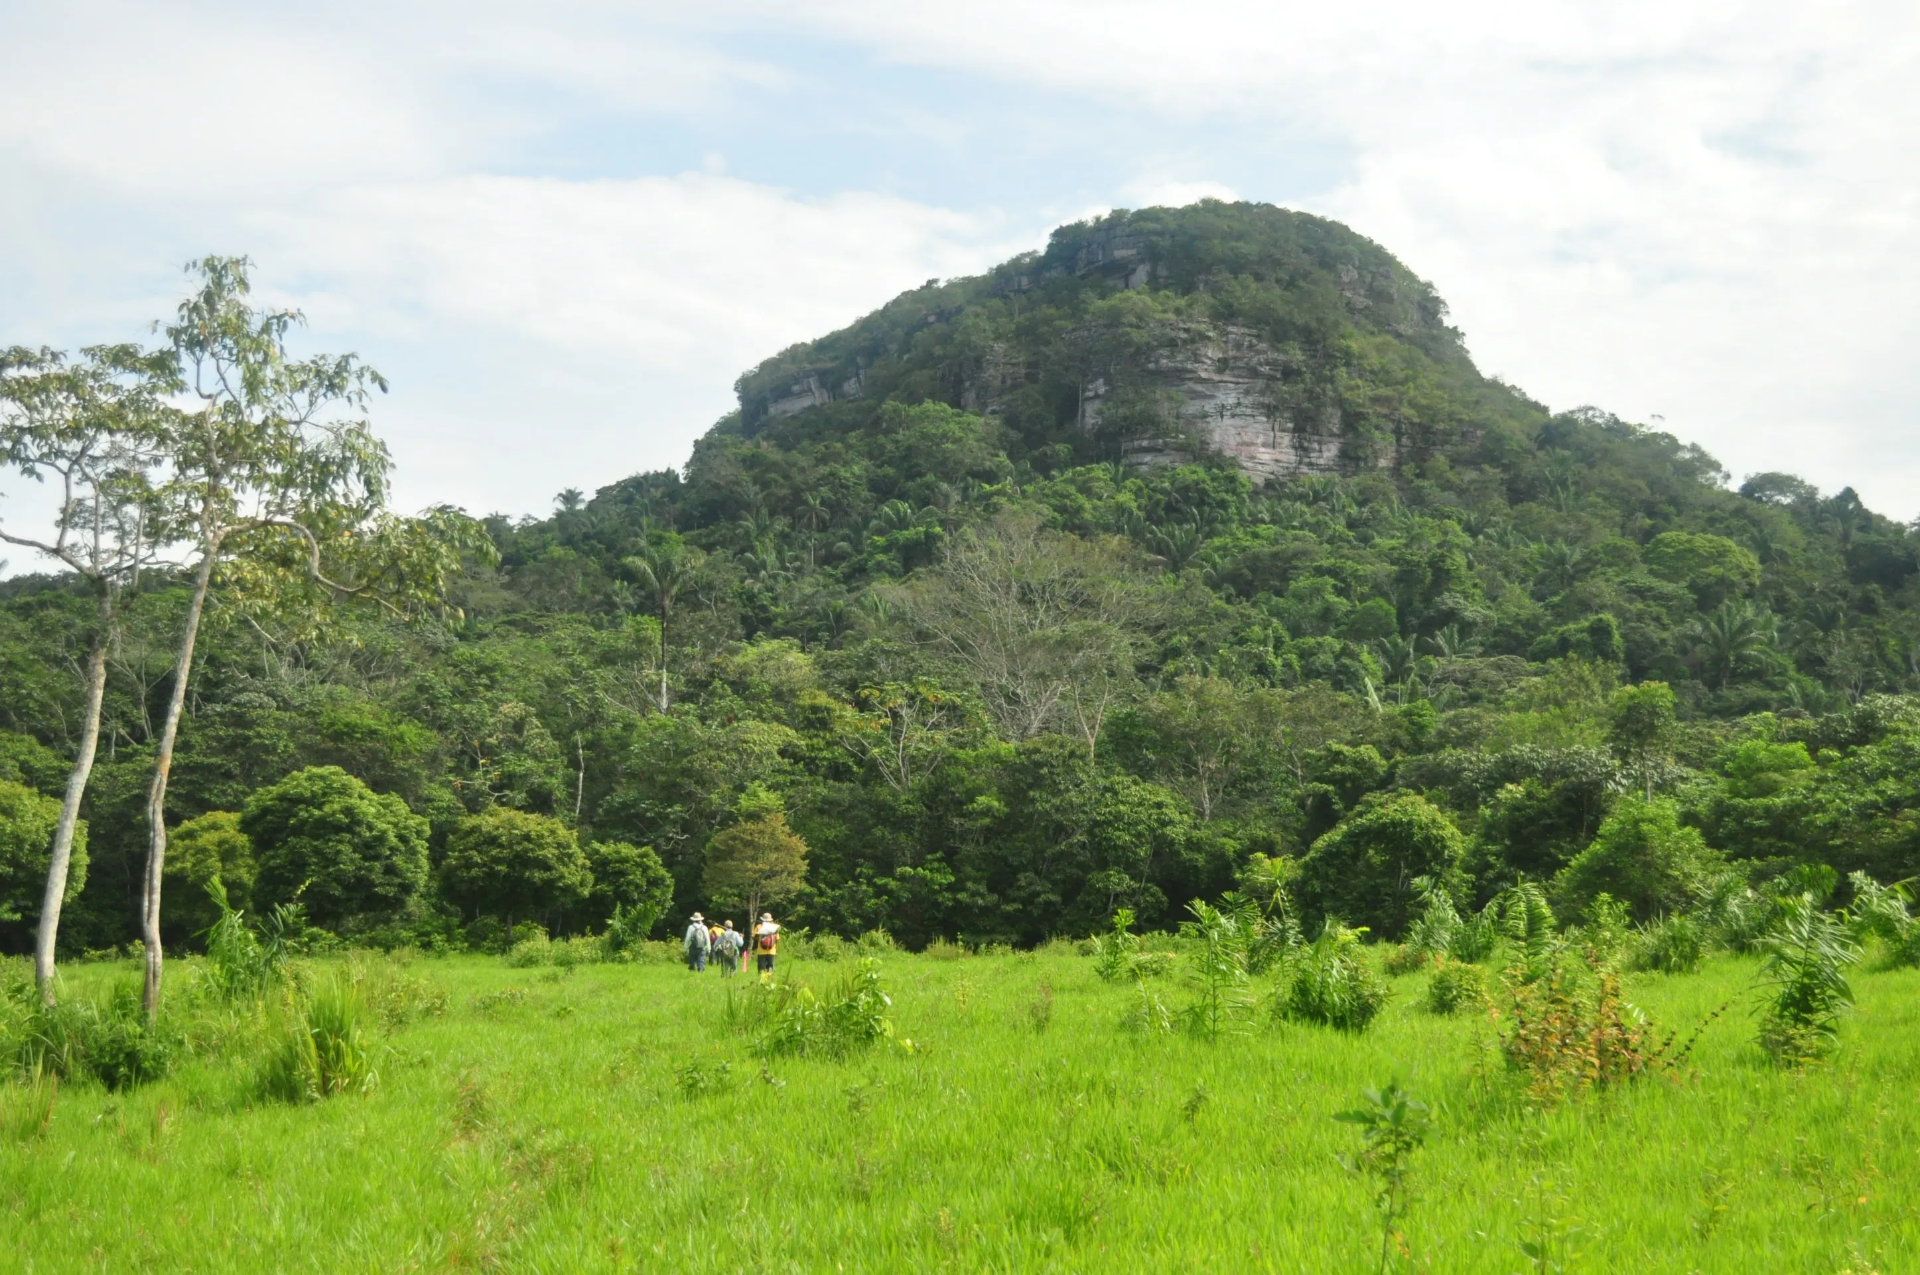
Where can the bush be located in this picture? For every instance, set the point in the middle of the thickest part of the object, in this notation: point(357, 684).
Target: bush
point(1222, 1001)
point(1455, 986)
point(1642, 856)
point(1671, 944)
point(1362, 871)
point(1333, 984)
point(850, 1015)
point(1807, 955)
point(1404, 959)
point(1569, 1030)
point(27, 822)
point(321, 1050)
point(107, 1041)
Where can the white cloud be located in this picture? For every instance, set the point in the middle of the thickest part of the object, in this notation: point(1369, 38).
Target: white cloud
point(1708, 210)
point(1705, 210)
point(611, 316)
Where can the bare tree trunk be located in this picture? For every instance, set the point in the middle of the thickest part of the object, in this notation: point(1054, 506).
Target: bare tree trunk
point(157, 795)
point(580, 778)
point(62, 856)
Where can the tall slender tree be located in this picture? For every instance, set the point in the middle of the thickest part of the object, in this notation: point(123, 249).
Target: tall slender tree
point(274, 466)
point(92, 426)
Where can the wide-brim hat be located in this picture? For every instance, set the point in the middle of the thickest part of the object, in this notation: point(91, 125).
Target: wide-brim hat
point(766, 916)
point(696, 917)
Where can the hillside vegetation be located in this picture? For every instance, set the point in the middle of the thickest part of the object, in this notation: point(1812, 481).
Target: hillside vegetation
point(993, 684)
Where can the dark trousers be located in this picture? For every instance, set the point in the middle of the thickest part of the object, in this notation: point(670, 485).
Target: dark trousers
point(697, 959)
point(764, 963)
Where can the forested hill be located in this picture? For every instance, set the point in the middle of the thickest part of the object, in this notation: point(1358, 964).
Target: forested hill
point(1192, 543)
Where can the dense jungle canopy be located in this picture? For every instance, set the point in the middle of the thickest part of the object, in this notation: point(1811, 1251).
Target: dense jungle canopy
point(913, 603)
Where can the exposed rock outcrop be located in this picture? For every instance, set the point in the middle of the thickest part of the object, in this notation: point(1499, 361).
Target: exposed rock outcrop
point(1227, 390)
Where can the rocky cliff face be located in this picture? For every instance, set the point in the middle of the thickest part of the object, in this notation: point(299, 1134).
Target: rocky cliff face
point(1283, 341)
point(1225, 389)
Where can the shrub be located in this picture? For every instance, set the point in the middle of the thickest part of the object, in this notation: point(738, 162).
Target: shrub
point(324, 839)
point(1807, 955)
point(1362, 871)
point(851, 1015)
point(108, 1041)
point(1569, 1031)
point(1435, 924)
point(536, 950)
point(239, 963)
point(1880, 911)
point(198, 851)
point(27, 822)
point(1403, 959)
point(1642, 856)
point(1474, 941)
point(1222, 1000)
point(1671, 944)
point(321, 1050)
point(1114, 952)
point(1333, 984)
point(944, 949)
point(1455, 986)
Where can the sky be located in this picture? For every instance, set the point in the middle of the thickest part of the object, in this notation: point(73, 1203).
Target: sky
point(563, 230)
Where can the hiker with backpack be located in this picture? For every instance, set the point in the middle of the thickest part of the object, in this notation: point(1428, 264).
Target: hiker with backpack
point(766, 943)
point(698, 942)
point(727, 949)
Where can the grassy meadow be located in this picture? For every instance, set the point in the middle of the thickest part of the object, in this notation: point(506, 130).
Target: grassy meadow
point(615, 1118)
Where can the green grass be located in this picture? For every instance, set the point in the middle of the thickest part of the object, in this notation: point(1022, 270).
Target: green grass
point(556, 1131)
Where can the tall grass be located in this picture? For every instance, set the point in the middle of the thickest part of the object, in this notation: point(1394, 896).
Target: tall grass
point(551, 1130)
point(321, 1049)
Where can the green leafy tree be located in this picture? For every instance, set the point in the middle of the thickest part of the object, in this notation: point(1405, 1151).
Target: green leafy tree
point(1641, 730)
point(1714, 567)
point(509, 863)
point(631, 879)
point(278, 485)
point(28, 821)
point(759, 860)
point(1643, 856)
point(91, 427)
point(665, 571)
point(325, 839)
point(198, 851)
point(1363, 872)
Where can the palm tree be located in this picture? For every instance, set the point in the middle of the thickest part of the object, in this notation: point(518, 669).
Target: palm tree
point(1559, 565)
point(663, 571)
point(1179, 545)
point(1731, 635)
point(812, 514)
point(1399, 661)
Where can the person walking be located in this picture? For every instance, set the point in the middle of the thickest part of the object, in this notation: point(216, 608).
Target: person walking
point(727, 949)
point(698, 943)
point(766, 943)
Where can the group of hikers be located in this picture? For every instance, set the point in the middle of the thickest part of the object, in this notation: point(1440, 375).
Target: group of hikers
point(726, 947)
